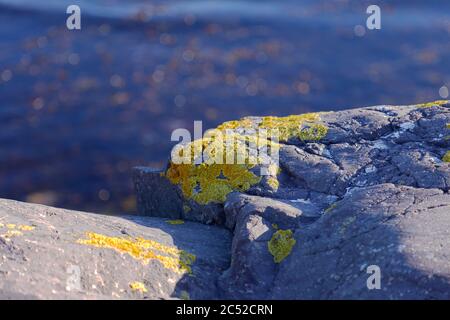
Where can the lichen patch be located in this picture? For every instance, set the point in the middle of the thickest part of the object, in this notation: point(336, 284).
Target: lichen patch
point(138, 286)
point(210, 183)
point(446, 157)
point(175, 222)
point(281, 244)
point(14, 230)
point(144, 250)
point(432, 104)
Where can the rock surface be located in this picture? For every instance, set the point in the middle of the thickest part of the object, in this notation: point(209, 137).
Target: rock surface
point(353, 191)
point(372, 191)
point(44, 255)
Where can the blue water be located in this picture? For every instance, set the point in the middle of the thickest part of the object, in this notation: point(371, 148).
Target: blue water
point(397, 13)
point(79, 109)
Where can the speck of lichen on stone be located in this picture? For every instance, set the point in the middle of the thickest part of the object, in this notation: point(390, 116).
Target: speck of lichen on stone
point(281, 244)
point(10, 234)
point(14, 230)
point(138, 286)
point(175, 222)
point(331, 208)
point(184, 295)
point(273, 183)
point(446, 157)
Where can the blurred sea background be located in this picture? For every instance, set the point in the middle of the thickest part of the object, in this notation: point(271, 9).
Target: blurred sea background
point(79, 109)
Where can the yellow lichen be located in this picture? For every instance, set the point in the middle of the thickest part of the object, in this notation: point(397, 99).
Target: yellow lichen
point(11, 233)
point(186, 208)
point(138, 286)
point(14, 230)
point(225, 159)
point(315, 131)
point(226, 166)
point(175, 222)
point(171, 258)
point(432, 104)
point(273, 183)
point(211, 183)
point(446, 157)
point(304, 126)
point(235, 124)
point(281, 244)
point(25, 227)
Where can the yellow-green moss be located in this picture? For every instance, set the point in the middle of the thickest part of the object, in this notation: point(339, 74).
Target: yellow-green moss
point(281, 244)
point(446, 157)
point(432, 104)
point(186, 208)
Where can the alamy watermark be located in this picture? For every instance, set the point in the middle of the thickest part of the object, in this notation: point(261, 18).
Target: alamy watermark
point(73, 22)
point(374, 280)
point(373, 21)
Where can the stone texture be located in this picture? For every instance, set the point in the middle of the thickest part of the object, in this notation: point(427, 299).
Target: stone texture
point(373, 191)
point(39, 263)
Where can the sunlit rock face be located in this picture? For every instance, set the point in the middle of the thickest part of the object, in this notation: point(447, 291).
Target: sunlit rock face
point(362, 187)
point(49, 253)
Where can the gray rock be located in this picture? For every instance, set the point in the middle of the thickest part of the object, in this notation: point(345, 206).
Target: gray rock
point(41, 257)
point(402, 230)
point(373, 191)
point(156, 196)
